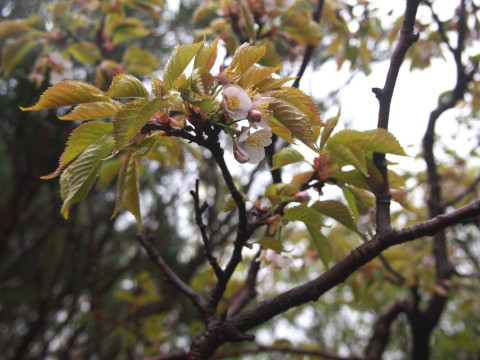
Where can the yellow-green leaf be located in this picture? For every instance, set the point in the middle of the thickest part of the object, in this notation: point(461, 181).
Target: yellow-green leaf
point(350, 154)
point(294, 120)
point(206, 56)
point(86, 52)
point(139, 61)
point(131, 118)
point(301, 101)
point(127, 86)
point(12, 28)
point(271, 242)
point(380, 140)
point(346, 137)
point(286, 156)
point(67, 93)
point(257, 73)
point(247, 55)
point(90, 111)
point(322, 244)
point(327, 130)
point(81, 138)
point(304, 213)
point(77, 180)
point(182, 55)
point(336, 210)
point(273, 83)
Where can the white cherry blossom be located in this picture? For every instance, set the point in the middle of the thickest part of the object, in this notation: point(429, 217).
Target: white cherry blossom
point(250, 147)
point(271, 257)
point(236, 102)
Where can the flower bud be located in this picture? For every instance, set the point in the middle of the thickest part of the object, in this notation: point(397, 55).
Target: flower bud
point(239, 155)
point(302, 196)
point(255, 115)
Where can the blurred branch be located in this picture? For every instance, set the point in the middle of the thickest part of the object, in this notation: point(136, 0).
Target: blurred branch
point(384, 96)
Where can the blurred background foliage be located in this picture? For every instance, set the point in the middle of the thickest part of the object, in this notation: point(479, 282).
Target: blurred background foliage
point(82, 289)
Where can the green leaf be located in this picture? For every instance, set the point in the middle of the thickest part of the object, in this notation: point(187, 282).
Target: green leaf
point(350, 154)
point(322, 244)
point(336, 210)
point(280, 130)
point(80, 139)
point(14, 52)
point(327, 131)
point(182, 55)
point(271, 242)
point(67, 93)
point(77, 180)
point(86, 52)
point(206, 56)
point(286, 156)
point(301, 101)
point(230, 204)
point(305, 214)
point(247, 55)
point(273, 83)
point(91, 111)
point(381, 141)
point(131, 118)
point(127, 86)
point(346, 137)
point(294, 120)
point(12, 28)
point(128, 28)
point(257, 73)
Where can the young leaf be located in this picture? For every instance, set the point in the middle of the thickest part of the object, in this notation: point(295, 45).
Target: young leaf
point(86, 52)
point(181, 57)
point(294, 120)
point(301, 101)
point(381, 141)
point(280, 130)
point(305, 214)
point(346, 137)
point(139, 61)
point(12, 28)
point(247, 55)
point(286, 156)
point(127, 86)
point(336, 210)
point(81, 138)
point(67, 93)
point(327, 131)
point(206, 56)
point(271, 242)
point(350, 154)
point(257, 73)
point(77, 180)
point(322, 244)
point(131, 118)
point(91, 111)
point(14, 52)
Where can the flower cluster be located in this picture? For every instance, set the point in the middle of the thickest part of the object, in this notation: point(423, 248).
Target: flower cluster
point(60, 68)
point(269, 257)
point(252, 139)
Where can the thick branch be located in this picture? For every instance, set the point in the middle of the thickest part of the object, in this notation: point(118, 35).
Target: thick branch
point(312, 290)
point(407, 38)
point(172, 277)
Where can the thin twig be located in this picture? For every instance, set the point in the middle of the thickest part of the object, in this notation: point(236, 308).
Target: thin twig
point(199, 210)
point(172, 277)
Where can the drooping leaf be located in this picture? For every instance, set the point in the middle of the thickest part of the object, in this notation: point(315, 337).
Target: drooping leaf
point(127, 86)
point(301, 101)
point(279, 192)
point(77, 180)
point(12, 28)
point(336, 210)
point(322, 244)
point(293, 120)
point(86, 52)
point(14, 52)
point(271, 242)
point(128, 189)
point(286, 156)
point(304, 213)
point(181, 57)
point(81, 138)
point(90, 111)
point(247, 55)
point(382, 141)
point(67, 93)
point(131, 118)
point(346, 137)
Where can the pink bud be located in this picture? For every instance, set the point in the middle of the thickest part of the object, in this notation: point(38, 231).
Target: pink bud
point(255, 115)
point(239, 155)
point(301, 196)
